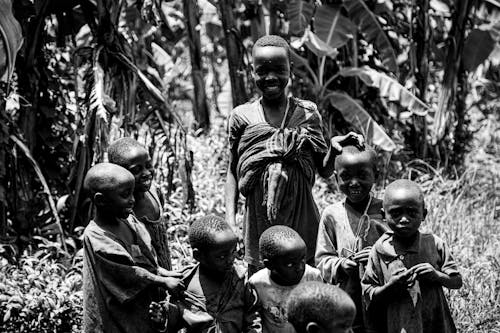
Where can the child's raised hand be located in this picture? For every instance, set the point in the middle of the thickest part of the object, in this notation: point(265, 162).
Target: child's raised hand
point(350, 138)
point(426, 271)
point(362, 256)
point(157, 314)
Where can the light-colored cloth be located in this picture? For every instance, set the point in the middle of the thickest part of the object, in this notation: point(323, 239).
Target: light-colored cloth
point(431, 313)
point(116, 294)
point(298, 146)
point(273, 298)
point(234, 308)
point(337, 240)
point(158, 230)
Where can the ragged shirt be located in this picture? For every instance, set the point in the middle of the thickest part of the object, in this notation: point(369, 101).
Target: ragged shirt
point(337, 240)
point(234, 308)
point(116, 290)
point(428, 312)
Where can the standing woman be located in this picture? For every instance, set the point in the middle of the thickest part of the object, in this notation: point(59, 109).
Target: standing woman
point(276, 145)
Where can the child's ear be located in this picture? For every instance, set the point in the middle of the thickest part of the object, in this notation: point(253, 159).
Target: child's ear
point(267, 263)
point(196, 254)
point(313, 327)
point(99, 199)
point(382, 212)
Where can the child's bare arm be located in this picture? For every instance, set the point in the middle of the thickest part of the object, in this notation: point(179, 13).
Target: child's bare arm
point(426, 271)
point(231, 193)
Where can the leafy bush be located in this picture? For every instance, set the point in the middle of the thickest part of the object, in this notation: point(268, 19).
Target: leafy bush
point(40, 294)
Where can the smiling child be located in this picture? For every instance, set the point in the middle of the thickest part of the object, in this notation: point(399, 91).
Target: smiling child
point(120, 273)
point(350, 227)
point(407, 269)
point(148, 207)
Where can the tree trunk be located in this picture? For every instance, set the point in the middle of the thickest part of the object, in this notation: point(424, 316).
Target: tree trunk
point(447, 99)
point(234, 54)
point(200, 107)
point(421, 37)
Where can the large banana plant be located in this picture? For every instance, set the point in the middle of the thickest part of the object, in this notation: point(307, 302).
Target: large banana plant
point(325, 29)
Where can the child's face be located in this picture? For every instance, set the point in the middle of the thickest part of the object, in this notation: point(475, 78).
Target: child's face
point(119, 200)
point(355, 176)
point(138, 163)
point(404, 211)
point(271, 70)
point(220, 258)
point(288, 268)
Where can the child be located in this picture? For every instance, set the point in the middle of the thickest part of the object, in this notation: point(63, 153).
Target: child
point(407, 269)
point(276, 147)
point(283, 253)
point(315, 307)
point(120, 274)
point(134, 157)
point(217, 297)
point(350, 227)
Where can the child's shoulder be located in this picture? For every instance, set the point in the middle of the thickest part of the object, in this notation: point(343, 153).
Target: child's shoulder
point(333, 211)
point(243, 109)
point(261, 276)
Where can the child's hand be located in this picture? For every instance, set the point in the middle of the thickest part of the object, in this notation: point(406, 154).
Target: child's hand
point(402, 278)
point(348, 266)
point(174, 285)
point(157, 314)
point(362, 256)
point(350, 138)
point(164, 272)
point(426, 271)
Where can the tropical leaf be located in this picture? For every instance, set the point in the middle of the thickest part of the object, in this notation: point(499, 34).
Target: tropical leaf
point(332, 27)
point(478, 46)
point(97, 96)
point(11, 34)
point(389, 88)
point(372, 31)
point(299, 15)
point(52, 203)
point(355, 114)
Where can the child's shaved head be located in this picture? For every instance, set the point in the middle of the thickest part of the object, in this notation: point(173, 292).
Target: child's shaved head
point(403, 185)
point(203, 231)
point(119, 150)
point(274, 239)
point(273, 40)
point(105, 177)
point(325, 305)
point(366, 154)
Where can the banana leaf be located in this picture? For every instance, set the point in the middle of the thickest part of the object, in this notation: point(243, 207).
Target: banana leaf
point(332, 27)
point(355, 114)
point(11, 34)
point(299, 15)
point(389, 88)
point(372, 31)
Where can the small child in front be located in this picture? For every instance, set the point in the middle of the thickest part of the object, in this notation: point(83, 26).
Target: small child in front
point(407, 269)
point(217, 298)
point(283, 254)
point(134, 157)
point(120, 273)
point(350, 227)
point(315, 307)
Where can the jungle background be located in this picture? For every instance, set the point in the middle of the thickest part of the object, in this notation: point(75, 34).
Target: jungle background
point(418, 78)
